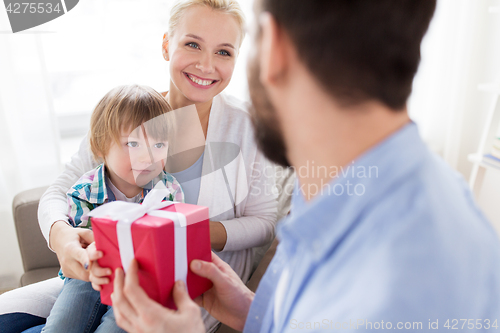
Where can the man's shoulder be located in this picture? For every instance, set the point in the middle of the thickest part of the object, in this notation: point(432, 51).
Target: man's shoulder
point(426, 245)
point(435, 208)
point(438, 195)
point(418, 270)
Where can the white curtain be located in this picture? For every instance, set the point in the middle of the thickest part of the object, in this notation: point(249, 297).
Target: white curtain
point(460, 52)
point(28, 136)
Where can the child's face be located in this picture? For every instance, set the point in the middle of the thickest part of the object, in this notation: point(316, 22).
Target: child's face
point(136, 161)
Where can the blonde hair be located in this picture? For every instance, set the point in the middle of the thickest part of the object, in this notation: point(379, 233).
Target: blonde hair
point(126, 108)
point(231, 7)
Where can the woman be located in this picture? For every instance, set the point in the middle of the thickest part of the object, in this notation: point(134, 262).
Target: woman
point(233, 179)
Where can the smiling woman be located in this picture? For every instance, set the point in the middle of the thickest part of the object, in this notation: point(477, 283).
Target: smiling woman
point(202, 53)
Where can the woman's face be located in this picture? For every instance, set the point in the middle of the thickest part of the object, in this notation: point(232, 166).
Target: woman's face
point(202, 53)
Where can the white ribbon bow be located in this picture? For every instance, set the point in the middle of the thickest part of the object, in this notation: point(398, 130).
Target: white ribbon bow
point(126, 213)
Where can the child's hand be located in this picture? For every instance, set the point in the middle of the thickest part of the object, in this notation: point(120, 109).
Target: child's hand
point(97, 275)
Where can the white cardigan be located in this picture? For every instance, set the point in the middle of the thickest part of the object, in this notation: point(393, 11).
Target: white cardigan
point(237, 185)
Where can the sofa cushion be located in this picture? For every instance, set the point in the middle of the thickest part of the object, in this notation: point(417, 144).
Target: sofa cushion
point(39, 274)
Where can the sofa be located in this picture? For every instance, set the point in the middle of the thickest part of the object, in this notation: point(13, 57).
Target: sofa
point(39, 262)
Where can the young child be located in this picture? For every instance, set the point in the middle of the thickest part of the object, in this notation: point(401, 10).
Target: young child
point(128, 134)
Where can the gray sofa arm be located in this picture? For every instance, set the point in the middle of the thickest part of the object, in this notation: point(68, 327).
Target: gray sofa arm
point(39, 262)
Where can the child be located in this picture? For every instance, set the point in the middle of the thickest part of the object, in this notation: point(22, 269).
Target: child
point(128, 133)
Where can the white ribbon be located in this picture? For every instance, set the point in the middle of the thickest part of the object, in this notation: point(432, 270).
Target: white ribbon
point(126, 213)
point(180, 242)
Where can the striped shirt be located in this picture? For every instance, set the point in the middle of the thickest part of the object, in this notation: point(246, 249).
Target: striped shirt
point(91, 191)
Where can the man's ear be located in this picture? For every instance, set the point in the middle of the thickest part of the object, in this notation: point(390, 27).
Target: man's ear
point(164, 47)
point(273, 58)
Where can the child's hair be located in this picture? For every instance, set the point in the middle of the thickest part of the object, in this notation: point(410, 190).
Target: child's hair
point(127, 108)
point(226, 6)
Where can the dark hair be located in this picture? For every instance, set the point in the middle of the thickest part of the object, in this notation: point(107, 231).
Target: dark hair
point(358, 49)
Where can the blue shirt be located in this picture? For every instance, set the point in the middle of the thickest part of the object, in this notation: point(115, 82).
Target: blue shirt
point(405, 248)
point(190, 180)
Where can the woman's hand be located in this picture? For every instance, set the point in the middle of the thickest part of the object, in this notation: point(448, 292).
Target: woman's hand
point(98, 275)
point(229, 299)
point(69, 244)
point(136, 312)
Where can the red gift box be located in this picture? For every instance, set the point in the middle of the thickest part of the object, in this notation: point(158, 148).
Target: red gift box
point(154, 248)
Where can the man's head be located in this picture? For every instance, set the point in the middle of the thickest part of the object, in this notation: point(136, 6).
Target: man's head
point(356, 50)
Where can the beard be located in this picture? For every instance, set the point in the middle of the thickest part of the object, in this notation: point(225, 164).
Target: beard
point(265, 122)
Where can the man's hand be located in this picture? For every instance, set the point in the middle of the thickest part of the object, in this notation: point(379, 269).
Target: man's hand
point(69, 244)
point(136, 312)
point(229, 299)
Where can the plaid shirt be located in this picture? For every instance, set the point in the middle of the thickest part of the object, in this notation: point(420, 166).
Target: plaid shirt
point(90, 191)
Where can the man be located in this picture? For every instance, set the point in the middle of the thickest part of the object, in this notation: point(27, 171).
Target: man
point(388, 237)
